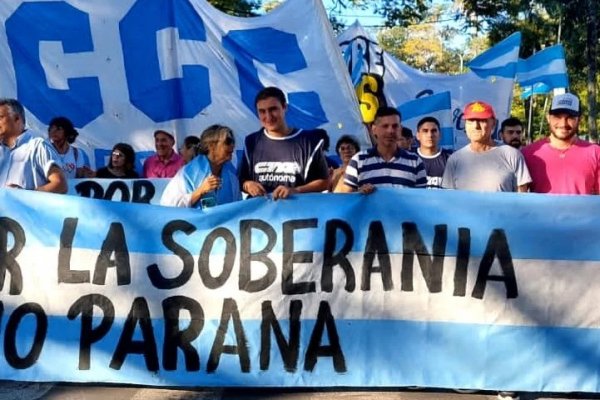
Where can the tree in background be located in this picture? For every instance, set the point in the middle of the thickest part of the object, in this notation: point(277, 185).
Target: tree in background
point(423, 46)
point(543, 23)
point(239, 8)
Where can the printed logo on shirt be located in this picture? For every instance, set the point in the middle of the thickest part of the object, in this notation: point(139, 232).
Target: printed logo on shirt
point(434, 181)
point(277, 167)
point(68, 167)
point(277, 171)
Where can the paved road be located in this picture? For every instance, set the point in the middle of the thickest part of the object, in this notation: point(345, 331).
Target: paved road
point(41, 391)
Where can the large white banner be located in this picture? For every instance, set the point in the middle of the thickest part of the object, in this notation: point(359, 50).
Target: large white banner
point(382, 79)
point(442, 289)
point(122, 68)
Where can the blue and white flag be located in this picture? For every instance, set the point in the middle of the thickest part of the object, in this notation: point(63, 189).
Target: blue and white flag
point(439, 289)
point(500, 60)
point(543, 71)
point(538, 88)
point(389, 81)
point(437, 105)
point(120, 69)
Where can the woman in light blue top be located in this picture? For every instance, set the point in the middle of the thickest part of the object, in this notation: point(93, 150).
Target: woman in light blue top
point(208, 179)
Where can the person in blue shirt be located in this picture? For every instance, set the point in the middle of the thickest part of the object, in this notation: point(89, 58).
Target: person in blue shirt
point(26, 161)
point(208, 179)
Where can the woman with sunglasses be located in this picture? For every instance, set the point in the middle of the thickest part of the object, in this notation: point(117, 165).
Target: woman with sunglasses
point(121, 164)
point(208, 179)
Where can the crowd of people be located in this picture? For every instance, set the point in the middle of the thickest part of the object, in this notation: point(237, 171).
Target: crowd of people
point(281, 161)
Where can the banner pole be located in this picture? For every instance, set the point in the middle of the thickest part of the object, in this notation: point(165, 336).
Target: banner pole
point(529, 118)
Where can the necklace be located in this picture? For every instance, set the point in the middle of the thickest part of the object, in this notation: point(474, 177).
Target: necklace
point(562, 153)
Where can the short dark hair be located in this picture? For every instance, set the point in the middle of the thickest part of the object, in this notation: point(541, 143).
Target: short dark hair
point(15, 107)
point(270, 91)
point(512, 121)
point(346, 139)
point(322, 133)
point(191, 141)
point(386, 112)
point(406, 133)
point(66, 125)
point(425, 120)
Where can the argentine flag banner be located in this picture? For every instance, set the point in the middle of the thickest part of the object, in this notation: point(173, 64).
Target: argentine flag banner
point(500, 60)
point(543, 71)
point(438, 106)
point(381, 79)
point(441, 289)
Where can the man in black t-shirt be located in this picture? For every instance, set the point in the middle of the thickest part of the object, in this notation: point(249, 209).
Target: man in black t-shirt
point(434, 158)
point(279, 159)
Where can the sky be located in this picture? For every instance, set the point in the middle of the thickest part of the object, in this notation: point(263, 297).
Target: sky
point(367, 18)
point(373, 22)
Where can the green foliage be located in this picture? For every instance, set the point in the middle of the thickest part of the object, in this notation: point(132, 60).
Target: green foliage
point(543, 23)
point(239, 8)
point(270, 5)
point(424, 46)
point(403, 12)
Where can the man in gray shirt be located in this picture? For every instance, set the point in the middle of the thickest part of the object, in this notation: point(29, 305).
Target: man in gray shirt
point(481, 165)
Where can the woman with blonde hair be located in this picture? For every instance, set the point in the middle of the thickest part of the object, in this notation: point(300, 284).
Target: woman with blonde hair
point(209, 178)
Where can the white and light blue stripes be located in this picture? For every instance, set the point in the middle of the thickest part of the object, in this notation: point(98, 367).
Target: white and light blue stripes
point(543, 71)
point(500, 60)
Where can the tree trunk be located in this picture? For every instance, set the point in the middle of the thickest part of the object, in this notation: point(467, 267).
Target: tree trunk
point(592, 59)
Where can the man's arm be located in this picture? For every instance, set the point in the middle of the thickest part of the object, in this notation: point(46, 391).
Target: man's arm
point(318, 185)
point(57, 182)
point(245, 176)
point(522, 174)
point(344, 188)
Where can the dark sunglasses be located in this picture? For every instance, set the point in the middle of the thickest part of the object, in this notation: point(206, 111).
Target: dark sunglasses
point(229, 141)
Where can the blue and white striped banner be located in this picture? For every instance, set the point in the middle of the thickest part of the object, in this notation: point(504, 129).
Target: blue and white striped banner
point(501, 60)
point(437, 105)
point(547, 67)
point(439, 289)
point(491, 79)
point(148, 191)
point(538, 88)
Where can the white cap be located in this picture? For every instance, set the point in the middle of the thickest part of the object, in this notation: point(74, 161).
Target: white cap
point(566, 102)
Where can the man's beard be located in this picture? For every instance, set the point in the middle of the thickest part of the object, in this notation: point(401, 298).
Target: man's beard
point(516, 143)
point(566, 137)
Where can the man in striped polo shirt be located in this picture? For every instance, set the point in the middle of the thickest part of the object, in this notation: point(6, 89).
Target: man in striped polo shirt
point(386, 164)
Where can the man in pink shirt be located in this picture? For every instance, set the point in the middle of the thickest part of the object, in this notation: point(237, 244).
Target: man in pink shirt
point(563, 163)
point(166, 162)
